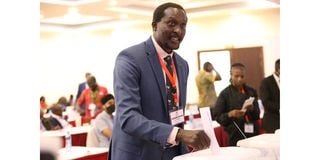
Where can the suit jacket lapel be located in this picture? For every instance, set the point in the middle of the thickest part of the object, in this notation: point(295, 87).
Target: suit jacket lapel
point(178, 67)
point(157, 70)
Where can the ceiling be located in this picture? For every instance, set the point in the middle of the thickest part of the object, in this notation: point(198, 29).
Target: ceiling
point(82, 13)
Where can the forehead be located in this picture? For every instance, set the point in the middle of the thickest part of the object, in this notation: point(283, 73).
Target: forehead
point(91, 80)
point(110, 101)
point(237, 70)
point(175, 13)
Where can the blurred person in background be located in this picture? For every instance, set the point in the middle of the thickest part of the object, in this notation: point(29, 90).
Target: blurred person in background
point(270, 97)
point(238, 118)
point(70, 101)
point(45, 124)
point(63, 102)
point(82, 86)
point(57, 118)
point(104, 121)
point(91, 97)
point(43, 103)
point(205, 84)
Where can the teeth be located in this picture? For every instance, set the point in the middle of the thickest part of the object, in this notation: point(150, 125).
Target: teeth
point(175, 39)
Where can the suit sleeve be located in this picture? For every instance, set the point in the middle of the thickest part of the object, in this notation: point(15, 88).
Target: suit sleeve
point(81, 99)
point(128, 100)
point(266, 97)
point(79, 92)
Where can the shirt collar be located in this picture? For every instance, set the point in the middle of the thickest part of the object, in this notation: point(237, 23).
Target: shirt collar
point(277, 79)
point(275, 76)
point(160, 51)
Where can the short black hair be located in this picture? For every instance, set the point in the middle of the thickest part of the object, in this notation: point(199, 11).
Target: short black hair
point(159, 11)
point(277, 63)
point(106, 98)
point(206, 66)
point(237, 65)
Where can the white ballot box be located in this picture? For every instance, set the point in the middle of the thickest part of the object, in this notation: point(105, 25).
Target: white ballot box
point(225, 153)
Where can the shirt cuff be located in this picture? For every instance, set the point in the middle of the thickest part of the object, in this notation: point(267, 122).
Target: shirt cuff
point(172, 137)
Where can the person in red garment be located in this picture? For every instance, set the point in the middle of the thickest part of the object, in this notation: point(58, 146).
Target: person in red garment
point(92, 97)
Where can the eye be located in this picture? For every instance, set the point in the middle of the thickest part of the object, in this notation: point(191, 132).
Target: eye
point(183, 26)
point(171, 24)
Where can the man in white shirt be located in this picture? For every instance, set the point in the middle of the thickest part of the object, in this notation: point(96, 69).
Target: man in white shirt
point(57, 111)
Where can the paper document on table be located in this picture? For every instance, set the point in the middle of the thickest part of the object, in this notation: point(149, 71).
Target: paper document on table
point(208, 128)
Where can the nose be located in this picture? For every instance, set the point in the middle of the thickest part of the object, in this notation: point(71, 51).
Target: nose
point(177, 30)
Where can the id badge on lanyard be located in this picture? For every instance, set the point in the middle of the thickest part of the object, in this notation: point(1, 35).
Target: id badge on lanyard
point(176, 116)
point(248, 128)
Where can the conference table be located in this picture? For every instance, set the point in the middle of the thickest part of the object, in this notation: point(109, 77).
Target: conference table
point(78, 135)
point(83, 153)
point(225, 153)
point(267, 143)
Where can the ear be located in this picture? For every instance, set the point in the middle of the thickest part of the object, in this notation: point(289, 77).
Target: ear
point(154, 26)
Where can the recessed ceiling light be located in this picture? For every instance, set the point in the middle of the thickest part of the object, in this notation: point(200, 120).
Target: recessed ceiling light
point(113, 2)
point(123, 16)
point(73, 13)
point(73, 10)
point(234, 13)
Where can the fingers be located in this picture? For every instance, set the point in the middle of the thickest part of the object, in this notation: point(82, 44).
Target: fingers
point(197, 139)
point(201, 140)
point(204, 140)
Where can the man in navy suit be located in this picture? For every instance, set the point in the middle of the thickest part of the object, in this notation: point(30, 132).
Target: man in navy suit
point(145, 127)
point(82, 87)
point(270, 97)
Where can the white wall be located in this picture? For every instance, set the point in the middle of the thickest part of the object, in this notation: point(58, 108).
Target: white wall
point(67, 55)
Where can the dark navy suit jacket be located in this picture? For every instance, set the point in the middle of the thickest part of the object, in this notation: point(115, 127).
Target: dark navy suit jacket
point(142, 124)
point(82, 87)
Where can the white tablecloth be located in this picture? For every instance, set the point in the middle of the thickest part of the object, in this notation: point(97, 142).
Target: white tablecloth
point(268, 143)
point(62, 132)
point(78, 152)
point(225, 153)
point(79, 135)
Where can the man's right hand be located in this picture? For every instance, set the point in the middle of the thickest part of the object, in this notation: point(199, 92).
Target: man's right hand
point(197, 139)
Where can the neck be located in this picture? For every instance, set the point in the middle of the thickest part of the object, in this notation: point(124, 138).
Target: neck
point(237, 86)
point(110, 114)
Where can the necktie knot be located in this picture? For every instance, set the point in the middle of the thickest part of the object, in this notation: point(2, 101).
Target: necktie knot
point(168, 60)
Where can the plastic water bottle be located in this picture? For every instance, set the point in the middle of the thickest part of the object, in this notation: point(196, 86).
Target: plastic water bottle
point(191, 120)
point(68, 141)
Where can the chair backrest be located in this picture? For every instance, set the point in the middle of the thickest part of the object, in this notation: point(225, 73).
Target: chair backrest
point(92, 139)
point(222, 136)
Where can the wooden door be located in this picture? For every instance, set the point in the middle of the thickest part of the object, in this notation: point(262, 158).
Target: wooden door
point(252, 58)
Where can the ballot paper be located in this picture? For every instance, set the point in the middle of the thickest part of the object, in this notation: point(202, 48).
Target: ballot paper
point(208, 129)
point(247, 102)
